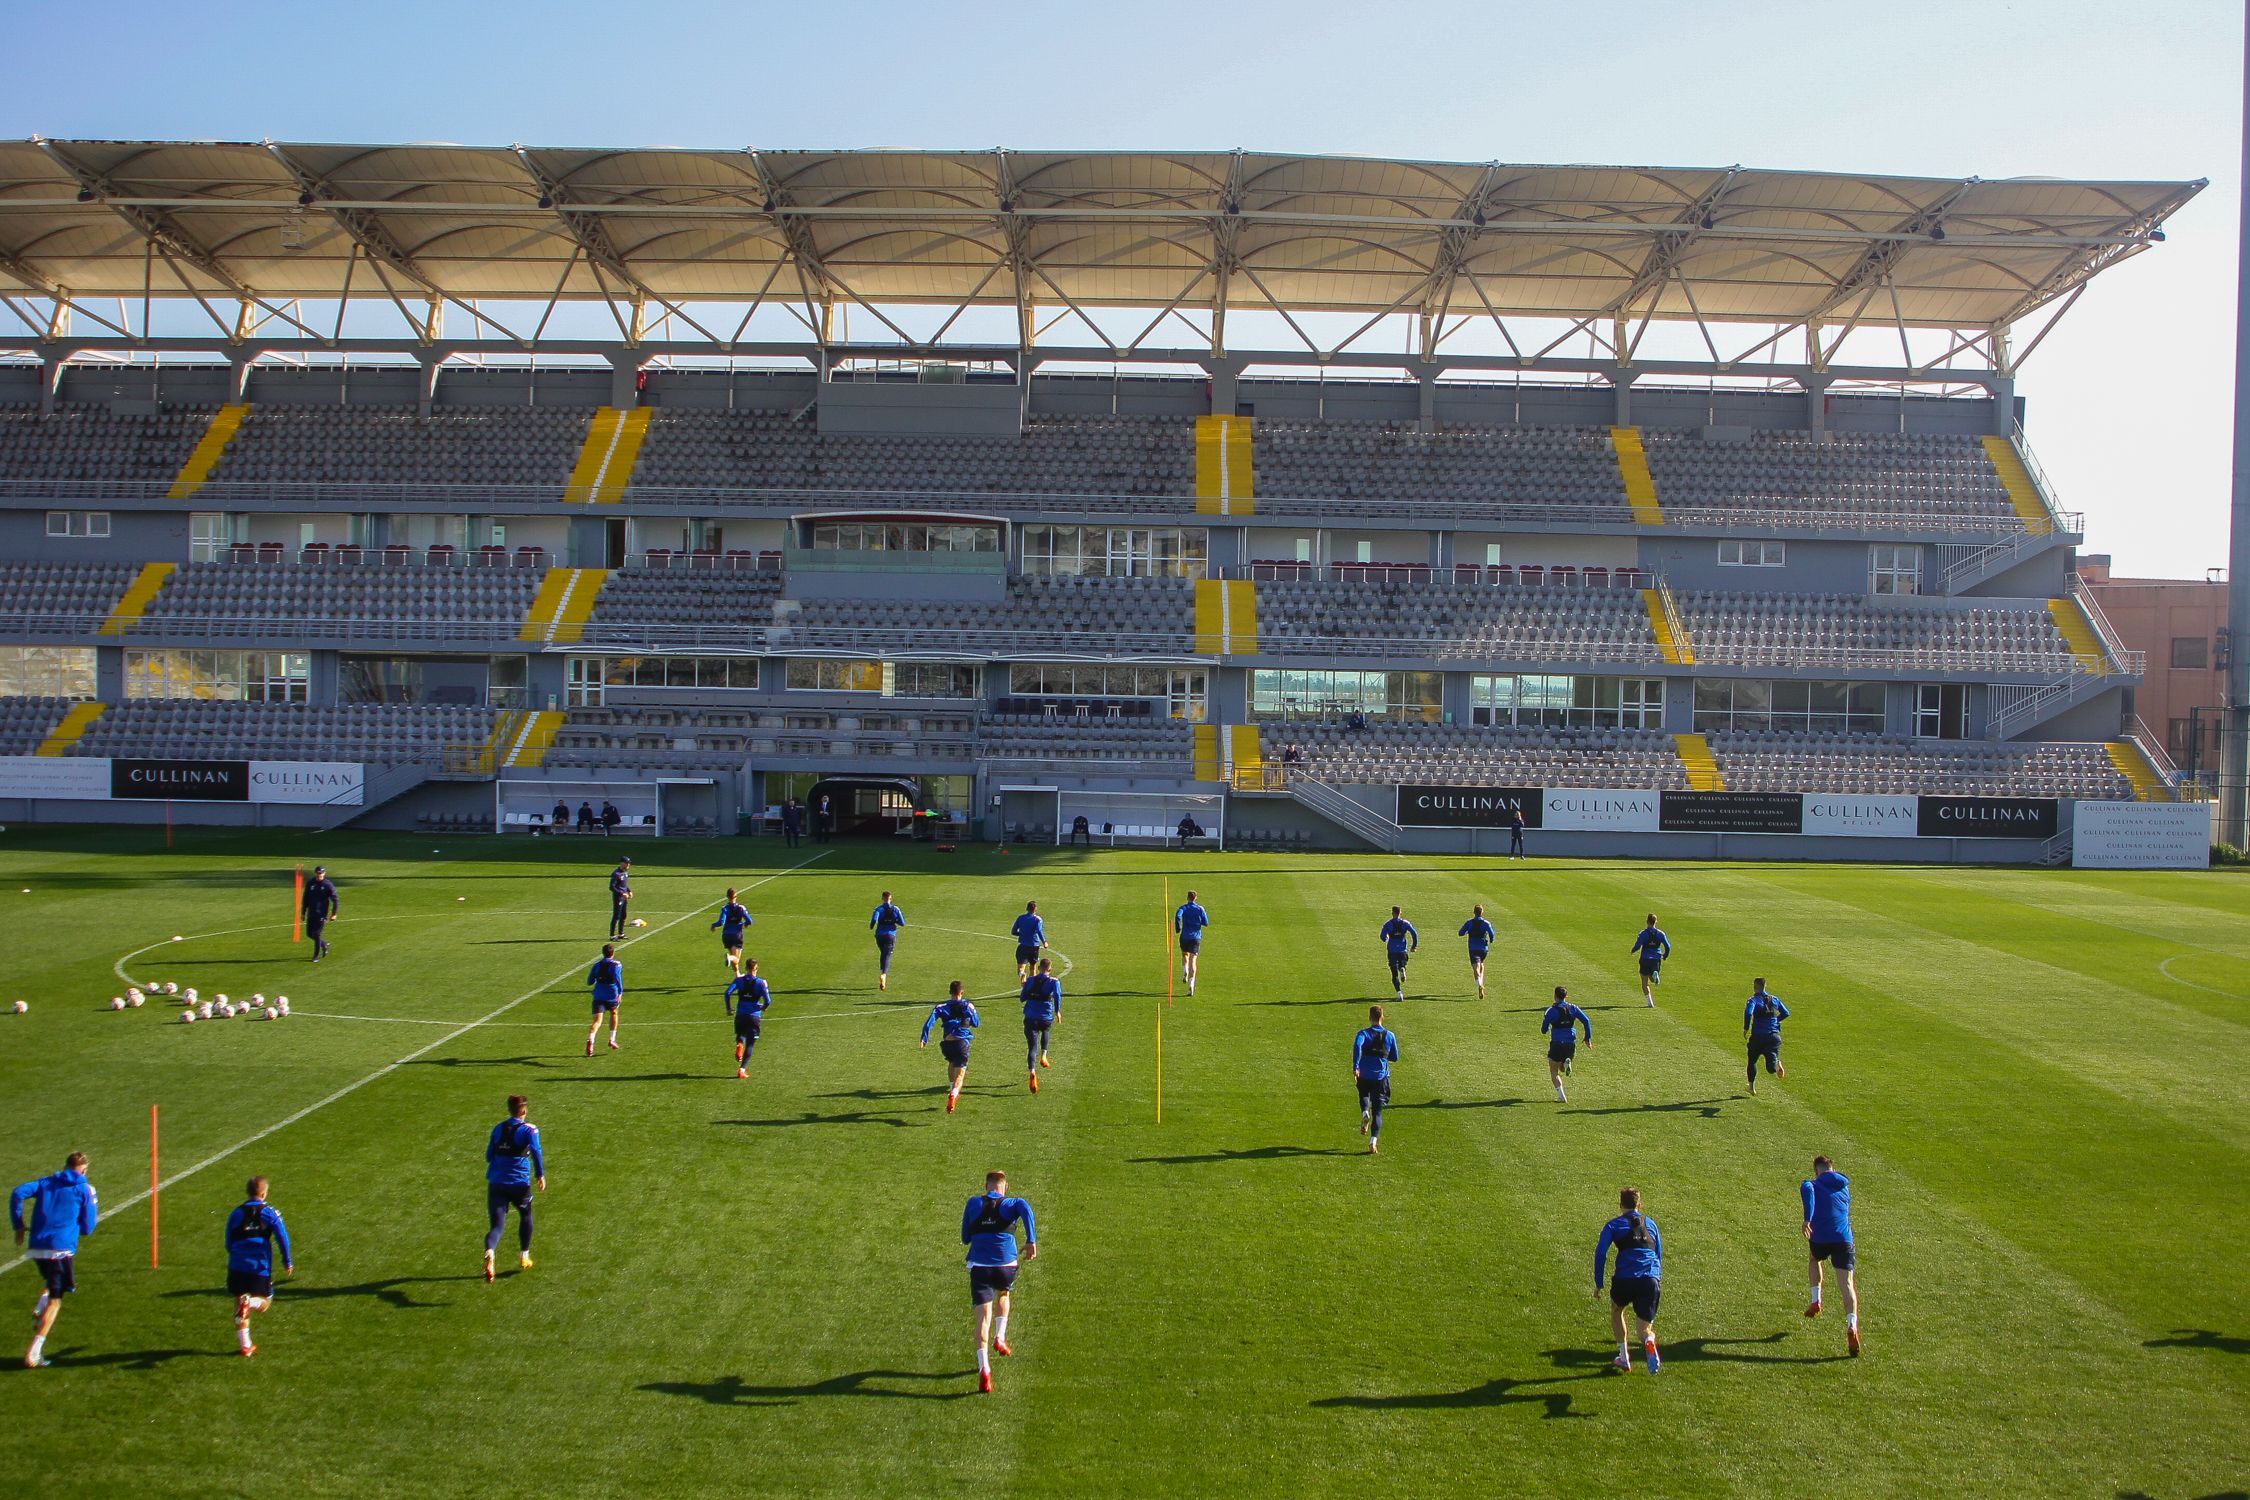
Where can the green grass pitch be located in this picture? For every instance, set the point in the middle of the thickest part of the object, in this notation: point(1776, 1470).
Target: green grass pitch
point(2036, 1081)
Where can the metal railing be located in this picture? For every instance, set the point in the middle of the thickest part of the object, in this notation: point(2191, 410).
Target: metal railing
point(2062, 521)
point(2113, 646)
point(1344, 811)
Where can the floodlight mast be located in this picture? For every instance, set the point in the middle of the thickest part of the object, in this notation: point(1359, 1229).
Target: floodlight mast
point(2234, 743)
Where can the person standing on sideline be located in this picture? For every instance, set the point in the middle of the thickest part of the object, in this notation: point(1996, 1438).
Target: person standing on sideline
point(607, 977)
point(960, 1021)
point(988, 1228)
point(1827, 1197)
point(64, 1210)
point(513, 1166)
point(749, 998)
point(792, 823)
point(1560, 1026)
point(1515, 833)
point(1042, 1008)
point(824, 819)
point(1639, 1282)
point(1762, 1016)
point(886, 919)
point(1373, 1052)
point(1480, 935)
point(1189, 922)
point(1031, 936)
point(1399, 941)
point(254, 1232)
point(1653, 947)
point(620, 897)
point(320, 905)
point(734, 919)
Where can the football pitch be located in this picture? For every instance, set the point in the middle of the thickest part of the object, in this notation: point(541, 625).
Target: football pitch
point(2035, 1080)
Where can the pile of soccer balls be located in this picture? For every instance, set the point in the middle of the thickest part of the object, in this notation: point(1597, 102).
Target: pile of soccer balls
point(193, 1007)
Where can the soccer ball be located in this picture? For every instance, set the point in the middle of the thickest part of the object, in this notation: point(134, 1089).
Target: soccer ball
point(282, 1001)
point(191, 995)
point(272, 1014)
point(460, 898)
point(257, 999)
point(134, 990)
point(204, 1010)
point(117, 1002)
point(177, 938)
point(135, 1002)
point(640, 921)
point(221, 997)
point(22, 1006)
point(188, 1014)
point(171, 986)
point(226, 1010)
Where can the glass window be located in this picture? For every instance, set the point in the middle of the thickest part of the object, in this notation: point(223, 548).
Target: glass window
point(2191, 651)
point(209, 532)
point(46, 671)
point(1557, 700)
point(1788, 706)
point(1740, 554)
point(1114, 551)
point(1894, 569)
point(78, 523)
point(224, 676)
point(1325, 693)
point(583, 679)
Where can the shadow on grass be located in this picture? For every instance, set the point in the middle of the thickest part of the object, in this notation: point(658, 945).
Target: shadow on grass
point(1255, 1153)
point(849, 1117)
point(484, 1062)
point(1707, 1109)
point(2200, 1338)
point(391, 1290)
point(1459, 1104)
point(1497, 1392)
point(629, 1077)
point(733, 1390)
point(1703, 1350)
point(933, 1089)
point(136, 1359)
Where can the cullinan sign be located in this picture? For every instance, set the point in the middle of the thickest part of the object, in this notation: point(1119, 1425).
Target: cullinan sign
point(94, 779)
point(1985, 817)
point(1469, 806)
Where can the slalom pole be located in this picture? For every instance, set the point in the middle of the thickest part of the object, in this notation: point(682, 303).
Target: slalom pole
point(297, 913)
point(1169, 956)
point(1167, 1003)
point(152, 1184)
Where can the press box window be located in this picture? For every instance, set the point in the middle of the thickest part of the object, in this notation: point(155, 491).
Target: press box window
point(78, 523)
point(1735, 554)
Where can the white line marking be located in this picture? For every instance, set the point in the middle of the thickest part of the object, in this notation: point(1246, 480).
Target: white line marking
point(389, 1068)
point(2165, 968)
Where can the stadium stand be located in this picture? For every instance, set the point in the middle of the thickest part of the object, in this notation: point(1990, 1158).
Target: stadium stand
point(1438, 754)
point(1569, 470)
point(62, 598)
point(672, 596)
point(25, 723)
point(1162, 745)
point(1908, 633)
point(404, 603)
point(92, 443)
point(1392, 618)
point(376, 733)
point(1872, 766)
point(1878, 481)
point(453, 445)
point(1119, 616)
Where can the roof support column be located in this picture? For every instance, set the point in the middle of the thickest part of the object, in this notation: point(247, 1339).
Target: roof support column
point(624, 379)
point(1622, 382)
point(238, 375)
point(1816, 403)
point(426, 383)
point(50, 378)
point(1426, 414)
point(1223, 374)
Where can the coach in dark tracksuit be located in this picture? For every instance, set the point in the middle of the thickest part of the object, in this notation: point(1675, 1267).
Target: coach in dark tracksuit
point(620, 897)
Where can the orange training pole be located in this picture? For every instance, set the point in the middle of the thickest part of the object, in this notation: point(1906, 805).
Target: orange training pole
point(152, 1182)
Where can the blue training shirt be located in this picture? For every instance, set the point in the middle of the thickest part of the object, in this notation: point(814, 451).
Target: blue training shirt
point(1373, 1052)
point(959, 1018)
point(1652, 945)
point(733, 917)
point(1042, 998)
point(1632, 1260)
point(1564, 1019)
point(253, 1232)
point(750, 995)
point(607, 976)
point(620, 883)
point(63, 1210)
point(1764, 1015)
point(1479, 932)
point(886, 919)
point(1399, 934)
point(1828, 1207)
point(512, 1157)
point(1190, 920)
point(1030, 931)
point(988, 1228)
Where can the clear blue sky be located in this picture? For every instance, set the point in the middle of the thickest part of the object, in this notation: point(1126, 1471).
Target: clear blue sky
point(2129, 402)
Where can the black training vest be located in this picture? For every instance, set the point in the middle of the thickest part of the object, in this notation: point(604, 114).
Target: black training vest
point(1636, 1235)
point(513, 1142)
point(992, 1218)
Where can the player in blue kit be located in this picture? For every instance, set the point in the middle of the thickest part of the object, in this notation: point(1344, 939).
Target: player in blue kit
point(988, 1228)
point(1560, 1026)
point(64, 1210)
point(1031, 936)
point(960, 1021)
point(1042, 1008)
point(1653, 947)
point(1189, 922)
point(886, 919)
point(1373, 1052)
point(1761, 1029)
point(748, 998)
point(1827, 1198)
point(254, 1232)
point(607, 979)
point(1480, 934)
point(1639, 1282)
point(734, 920)
point(1399, 941)
point(513, 1166)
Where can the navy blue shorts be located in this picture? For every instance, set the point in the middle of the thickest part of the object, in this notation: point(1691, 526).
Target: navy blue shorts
point(1191, 945)
point(1561, 1051)
point(1033, 1028)
point(1373, 1091)
point(731, 939)
point(1640, 1293)
point(499, 1197)
point(1399, 962)
point(1838, 1253)
point(747, 1028)
point(60, 1272)
point(1027, 953)
point(249, 1283)
point(989, 1282)
point(1651, 967)
point(1767, 1047)
point(956, 1050)
point(885, 942)
point(605, 1005)
point(1476, 955)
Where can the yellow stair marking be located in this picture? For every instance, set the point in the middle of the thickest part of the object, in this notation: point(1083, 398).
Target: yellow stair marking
point(209, 450)
point(564, 603)
point(602, 435)
point(617, 471)
point(1225, 470)
point(1206, 766)
point(1226, 617)
point(1210, 635)
point(1640, 484)
point(134, 602)
point(1676, 649)
point(74, 726)
point(1702, 767)
point(539, 620)
point(2070, 618)
point(2133, 764)
point(1245, 751)
point(528, 745)
point(2022, 493)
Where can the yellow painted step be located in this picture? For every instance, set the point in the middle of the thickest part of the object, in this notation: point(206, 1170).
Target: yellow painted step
point(529, 743)
point(2022, 493)
point(606, 458)
point(73, 727)
point(134, 602)
point(225, 422)
point(2133, 764)
point(1226, 617)
point(1702, 767)
point(1206, 765)
point(1677, 650)
point(563, 605)
point(617, 473)
point(1632, 467)
point(1245, 750)
point(2078, 632)
point(1225, 469)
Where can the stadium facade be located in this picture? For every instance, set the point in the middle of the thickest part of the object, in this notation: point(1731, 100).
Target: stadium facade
point(1300, 595)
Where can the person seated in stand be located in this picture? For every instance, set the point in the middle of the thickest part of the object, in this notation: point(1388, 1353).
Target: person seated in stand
point(1356, 722)
point(586, 822)
point(559, 819)
point(611, 817)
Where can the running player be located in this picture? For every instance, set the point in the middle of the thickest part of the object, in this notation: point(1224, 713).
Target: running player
point(886, 919)
point(1653, 947)
point(988, 1228)
point(1399, 940)
point(749, 998)
point(1373, 1052)
point(1480, 935)
point(1031, 936)
point(607, 977)
point(1827, 1196)
point(1560, 1026)
point(513, 1166)
point(1189, 922)
point(1639, 1283)
point(734, 919)
point(960, 1021)
point(1761, 1028)
point(320, 905)
point(64, 1210)
point(620, 897)
point(254, 1231)
point(1042, 1008)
